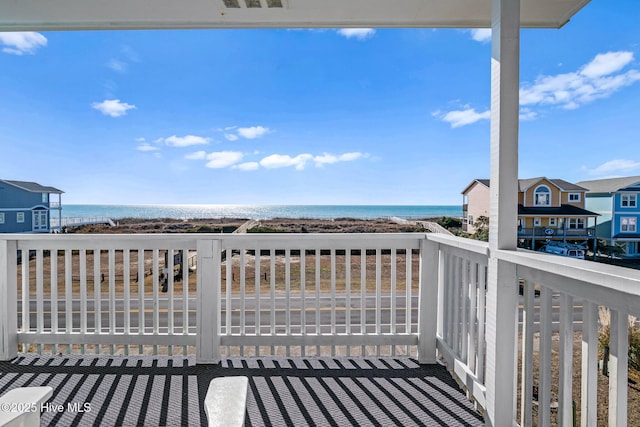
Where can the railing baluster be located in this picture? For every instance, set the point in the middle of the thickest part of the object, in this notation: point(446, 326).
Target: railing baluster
point(565, 388)
point(39, 294)
point(126, 284)
point(589, 404)
point(97, 297)
point(272, 287)
point(303, 307)
point(156, 296)
point(53, 295)
point(83, 295)
point(363, 296)
point(258, 330)
point(526, 406)
point(317, 301)
point(482, 288)
point(455, 261)
point(394, 298)
point(619, 366)
point(287, 294)
point(333, 298)
point(185, 296)
point(408, 304)
point(229, 296)
point(464, 313)
point(544, 398)
point(347, 286)
point(472, 315)
point(243, 298)
point(68, 301)
point(26, 303)
point(171, 306)
point(141, 299)
point(378, 296)
point(112, 295)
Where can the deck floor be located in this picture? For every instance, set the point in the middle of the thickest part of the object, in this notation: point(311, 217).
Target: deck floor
point(159, 391)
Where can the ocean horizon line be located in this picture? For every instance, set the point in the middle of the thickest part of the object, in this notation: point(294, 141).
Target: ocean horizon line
point(256, 211)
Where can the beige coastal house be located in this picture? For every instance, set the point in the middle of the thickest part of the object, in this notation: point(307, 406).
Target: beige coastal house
point(548, 209)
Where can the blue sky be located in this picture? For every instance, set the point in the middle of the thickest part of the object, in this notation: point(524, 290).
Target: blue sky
point(368, 116)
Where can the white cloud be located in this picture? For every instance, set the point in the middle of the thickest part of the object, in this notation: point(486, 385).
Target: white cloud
point(606, 63)
point(112, 107)
point(357, 33)
point(20, 43)
point(326, 158)
point(526, 114)
point(459, 118)
point(223, 159)
point(283, 160)
point(231, 137)
point(145, 146)
point(197, 155)
point(247, 166)
point(482, 35)
point(615, 167)
point(253, 132)
point(117, 65)
point(184, 141)
point(598, 79)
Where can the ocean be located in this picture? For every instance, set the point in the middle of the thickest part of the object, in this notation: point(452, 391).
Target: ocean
point(259, 211)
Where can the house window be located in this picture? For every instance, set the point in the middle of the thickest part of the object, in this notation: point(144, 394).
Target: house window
point(470, 219)
point(552, 222)
point(628, 224)
point(537, 222)
point(20, 217)
point(574, 197)
point(542, 196)
point(1, 218)
point(628, 201)
point(576, 223)
point(45, 197)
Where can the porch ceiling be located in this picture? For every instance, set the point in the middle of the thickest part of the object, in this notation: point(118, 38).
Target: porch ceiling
point(25, 15)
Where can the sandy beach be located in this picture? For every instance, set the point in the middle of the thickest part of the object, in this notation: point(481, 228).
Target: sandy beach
point(228, 225)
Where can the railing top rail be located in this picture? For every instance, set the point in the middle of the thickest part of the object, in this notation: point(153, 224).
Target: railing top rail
point(476, 246)
point(610, 285)
point(322, 240)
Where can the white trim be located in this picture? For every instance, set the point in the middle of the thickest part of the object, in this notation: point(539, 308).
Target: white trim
point(25, 208)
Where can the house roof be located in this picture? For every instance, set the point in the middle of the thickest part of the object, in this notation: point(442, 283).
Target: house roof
point(484, 182)
point(33, 187)
point(524, 184)
point(39, 15)
point(562, 210)
point(610, 185)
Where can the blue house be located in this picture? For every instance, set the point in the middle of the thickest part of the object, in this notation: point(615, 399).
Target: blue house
point(617, 200)
point(26, 207)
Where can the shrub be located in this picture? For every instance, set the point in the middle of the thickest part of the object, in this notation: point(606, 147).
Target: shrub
point(604, 336)
point(449, 222)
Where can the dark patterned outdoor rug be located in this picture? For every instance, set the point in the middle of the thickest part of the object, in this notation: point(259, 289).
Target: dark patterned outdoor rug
point(159, 391)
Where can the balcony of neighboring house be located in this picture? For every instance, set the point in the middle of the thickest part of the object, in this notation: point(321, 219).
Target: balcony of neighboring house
point(347, 329)
point(556, 233)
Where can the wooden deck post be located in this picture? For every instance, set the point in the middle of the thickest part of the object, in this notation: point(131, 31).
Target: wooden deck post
point(208, 314)
point(428, 301)
point(502, 280)
point(8, 299)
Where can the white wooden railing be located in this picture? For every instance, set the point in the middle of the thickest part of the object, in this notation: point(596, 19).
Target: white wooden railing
point(424, 295)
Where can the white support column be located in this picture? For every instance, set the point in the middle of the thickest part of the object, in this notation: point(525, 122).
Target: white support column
point(208, 314)
point(502, 297)
point(8, 299)
point(428, 301)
